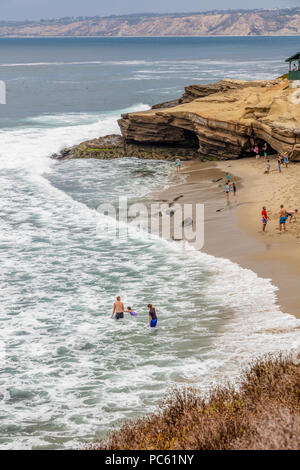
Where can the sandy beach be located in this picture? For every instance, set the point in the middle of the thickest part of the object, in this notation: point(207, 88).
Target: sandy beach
point(233, 228)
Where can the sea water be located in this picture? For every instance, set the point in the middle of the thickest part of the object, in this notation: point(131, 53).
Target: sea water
point(69, 373)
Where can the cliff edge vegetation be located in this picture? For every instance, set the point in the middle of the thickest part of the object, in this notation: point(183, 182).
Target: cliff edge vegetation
point(264, 414)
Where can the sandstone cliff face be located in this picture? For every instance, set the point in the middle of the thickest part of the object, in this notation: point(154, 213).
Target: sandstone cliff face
point(222, 120)
point(216, 23)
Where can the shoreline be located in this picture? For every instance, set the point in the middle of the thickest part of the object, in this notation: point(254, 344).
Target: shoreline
point(234, 231)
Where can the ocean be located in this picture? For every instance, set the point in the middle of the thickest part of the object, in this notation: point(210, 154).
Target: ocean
point(68, 372)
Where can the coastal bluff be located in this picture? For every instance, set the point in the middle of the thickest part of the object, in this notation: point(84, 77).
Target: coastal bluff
point(218, 121)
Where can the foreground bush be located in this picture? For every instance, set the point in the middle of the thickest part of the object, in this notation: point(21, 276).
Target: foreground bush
point(263, 414)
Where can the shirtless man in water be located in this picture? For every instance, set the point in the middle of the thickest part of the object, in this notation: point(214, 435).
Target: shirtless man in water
point(118, 309)
point(283, 216)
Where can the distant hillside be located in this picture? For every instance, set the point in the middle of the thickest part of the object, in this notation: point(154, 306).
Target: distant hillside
point(285, 22)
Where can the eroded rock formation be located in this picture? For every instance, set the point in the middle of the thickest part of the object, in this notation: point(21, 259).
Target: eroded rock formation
point(226, 119)
point(223, 120)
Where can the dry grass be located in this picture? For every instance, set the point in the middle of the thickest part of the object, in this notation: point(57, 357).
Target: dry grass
point(263, 414)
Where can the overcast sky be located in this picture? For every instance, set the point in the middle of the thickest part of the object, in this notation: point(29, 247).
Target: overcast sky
point(36, 9)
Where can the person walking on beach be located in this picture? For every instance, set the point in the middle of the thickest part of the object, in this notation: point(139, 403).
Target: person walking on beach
point(178, 165)
point(118, 309)
point(152, 316)
point(268, 167)
point(279, 163)
point(282, 218)
point(227, 190)
point(265, 218)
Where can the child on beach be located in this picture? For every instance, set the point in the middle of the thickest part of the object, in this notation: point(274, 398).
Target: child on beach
point(286, 159)
point(178, 165)
point(256, 151)
point(265, 217)
point(227, 190)
point(268, 167)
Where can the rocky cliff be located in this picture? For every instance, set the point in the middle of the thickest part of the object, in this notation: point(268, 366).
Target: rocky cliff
point(273, 22)
point(218, 121)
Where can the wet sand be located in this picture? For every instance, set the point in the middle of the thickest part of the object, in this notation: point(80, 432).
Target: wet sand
point(233, 228)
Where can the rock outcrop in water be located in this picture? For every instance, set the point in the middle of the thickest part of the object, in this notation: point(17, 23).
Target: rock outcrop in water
point(218, 121)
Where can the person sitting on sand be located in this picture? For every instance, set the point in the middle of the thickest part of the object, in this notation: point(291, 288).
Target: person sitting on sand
point(177, 165)
point(152, 316)
point(282, 218)
point(227, 190)
point(132, 313)
point(265, 218)
point(292, 214)
point(118, 309)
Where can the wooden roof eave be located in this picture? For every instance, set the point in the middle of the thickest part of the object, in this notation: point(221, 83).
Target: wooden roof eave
point(293, 57)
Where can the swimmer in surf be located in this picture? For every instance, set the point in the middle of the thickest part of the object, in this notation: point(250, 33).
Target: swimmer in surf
point(129, 310)
point(152, 316)
point(118, 309)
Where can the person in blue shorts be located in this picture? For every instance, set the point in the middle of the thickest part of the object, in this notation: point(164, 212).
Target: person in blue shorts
point(152, 316)
point(283, 216)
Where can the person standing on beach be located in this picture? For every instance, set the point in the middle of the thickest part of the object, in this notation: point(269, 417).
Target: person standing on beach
point(286, 159)
point(227, 190)
point(118, 309)
point(279, 163)
point(178, 165)
point(152, 316)
point(228, 178)
point(256, 151)
point(234, 188)
point(268, 167)
point(265, 218)
point(265, 149)
point(282, 218)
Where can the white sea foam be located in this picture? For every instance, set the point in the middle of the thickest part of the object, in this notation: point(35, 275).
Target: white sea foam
point(69, 370)
point(176, 63)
